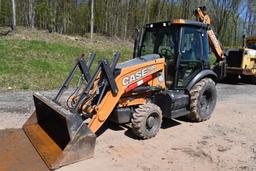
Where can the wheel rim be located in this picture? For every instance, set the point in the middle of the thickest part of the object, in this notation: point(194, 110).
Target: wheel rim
point(206, 102)
point(152, 122)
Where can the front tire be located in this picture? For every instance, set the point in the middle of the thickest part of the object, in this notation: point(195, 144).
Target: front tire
point(146, 120)
point(203, 99)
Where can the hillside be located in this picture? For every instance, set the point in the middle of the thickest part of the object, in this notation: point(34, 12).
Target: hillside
point(36, 60)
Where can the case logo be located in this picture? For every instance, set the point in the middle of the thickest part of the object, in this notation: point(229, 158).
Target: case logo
point(139, 74)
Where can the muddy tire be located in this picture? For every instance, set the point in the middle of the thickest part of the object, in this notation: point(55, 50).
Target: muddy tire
point(146, 121)
point(202, 100)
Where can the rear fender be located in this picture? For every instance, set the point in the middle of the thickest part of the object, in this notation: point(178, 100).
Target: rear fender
point(201, 75)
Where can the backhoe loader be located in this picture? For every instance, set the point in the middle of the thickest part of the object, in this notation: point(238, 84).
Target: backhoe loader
point(169, 76)
point(242, 61)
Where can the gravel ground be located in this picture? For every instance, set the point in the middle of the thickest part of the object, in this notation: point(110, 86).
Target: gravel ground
point(225, 142)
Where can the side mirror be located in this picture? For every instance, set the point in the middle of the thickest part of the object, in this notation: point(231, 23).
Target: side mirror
point(136, 48)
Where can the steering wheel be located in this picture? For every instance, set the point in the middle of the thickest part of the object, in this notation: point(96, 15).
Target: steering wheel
point(166, 53)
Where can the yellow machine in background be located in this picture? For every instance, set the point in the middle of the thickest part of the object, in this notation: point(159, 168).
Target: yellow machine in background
point(242, 62)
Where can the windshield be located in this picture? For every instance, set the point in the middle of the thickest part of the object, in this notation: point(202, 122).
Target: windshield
point(251, 45)
point(162, 41)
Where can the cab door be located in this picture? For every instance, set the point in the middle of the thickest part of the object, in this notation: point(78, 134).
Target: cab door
point(190, 58)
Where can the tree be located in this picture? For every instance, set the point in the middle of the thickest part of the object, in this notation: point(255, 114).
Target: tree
point(126, 18)
point(235, 18)
point(118, 18)
point(13, 15)
point(92, 18)
point(31, 14)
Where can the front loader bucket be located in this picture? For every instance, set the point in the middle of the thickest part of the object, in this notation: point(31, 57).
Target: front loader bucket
point(59, 136)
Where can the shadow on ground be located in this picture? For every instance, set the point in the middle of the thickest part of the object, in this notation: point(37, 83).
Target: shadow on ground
point(167, 123)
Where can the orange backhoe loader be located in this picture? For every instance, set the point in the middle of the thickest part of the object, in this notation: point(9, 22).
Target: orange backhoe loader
point(169, 76)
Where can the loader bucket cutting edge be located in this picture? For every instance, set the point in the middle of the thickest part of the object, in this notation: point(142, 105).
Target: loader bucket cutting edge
point(59, 136)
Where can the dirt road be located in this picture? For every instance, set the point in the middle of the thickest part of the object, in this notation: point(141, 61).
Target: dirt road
point(225, 142)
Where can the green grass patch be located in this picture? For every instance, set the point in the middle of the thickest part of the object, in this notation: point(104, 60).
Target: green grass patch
point(39, 65)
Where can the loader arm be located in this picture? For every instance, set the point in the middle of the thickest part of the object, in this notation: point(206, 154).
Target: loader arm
point(110, 100)
point(213, 41)
point(63, 136)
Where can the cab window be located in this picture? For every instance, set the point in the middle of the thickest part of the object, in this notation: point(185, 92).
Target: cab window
point(191, 54)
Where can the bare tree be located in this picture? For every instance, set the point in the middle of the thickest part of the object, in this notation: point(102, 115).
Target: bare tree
point(145, 11)
point(92, 18)
point(245, 20)
point(31, 14)
point(185, 4)
point(117, 14)
point(13, 15)
point(160, 9)
point(235, 18)
point(252, 16)
point(221, 12)
point(126, 18)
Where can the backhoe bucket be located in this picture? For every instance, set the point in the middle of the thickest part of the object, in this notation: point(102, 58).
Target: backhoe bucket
point(59, 136)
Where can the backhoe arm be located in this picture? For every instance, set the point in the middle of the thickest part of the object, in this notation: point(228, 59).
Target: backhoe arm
point(213, 41)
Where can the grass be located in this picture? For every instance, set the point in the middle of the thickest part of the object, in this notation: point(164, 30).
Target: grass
point(37, 60)
point(40, 64)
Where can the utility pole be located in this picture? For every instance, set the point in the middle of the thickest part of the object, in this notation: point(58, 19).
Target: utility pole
point(13, 15)
point(92, 17)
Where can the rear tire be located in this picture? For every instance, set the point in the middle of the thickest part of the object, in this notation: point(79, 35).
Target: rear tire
point(203, 98)
point(146, 121)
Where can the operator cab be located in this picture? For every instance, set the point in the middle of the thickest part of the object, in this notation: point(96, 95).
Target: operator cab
point(184, 45)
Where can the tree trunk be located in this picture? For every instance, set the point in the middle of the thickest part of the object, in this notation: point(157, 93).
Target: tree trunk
point(145, 11)
point(127, 18)
point(13, 15)
point(249, 24)
point(64, 20)
point(160, 9)
point(55, 17)
point(245, 20)
point(106, 17)
point(185, 8)
point(31, 14)
point(116, 17)
point(92, 18)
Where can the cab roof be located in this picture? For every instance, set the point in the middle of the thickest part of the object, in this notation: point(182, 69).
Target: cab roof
point(176, 22)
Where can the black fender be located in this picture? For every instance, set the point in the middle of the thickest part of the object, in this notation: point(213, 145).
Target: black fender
point(203, 74)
